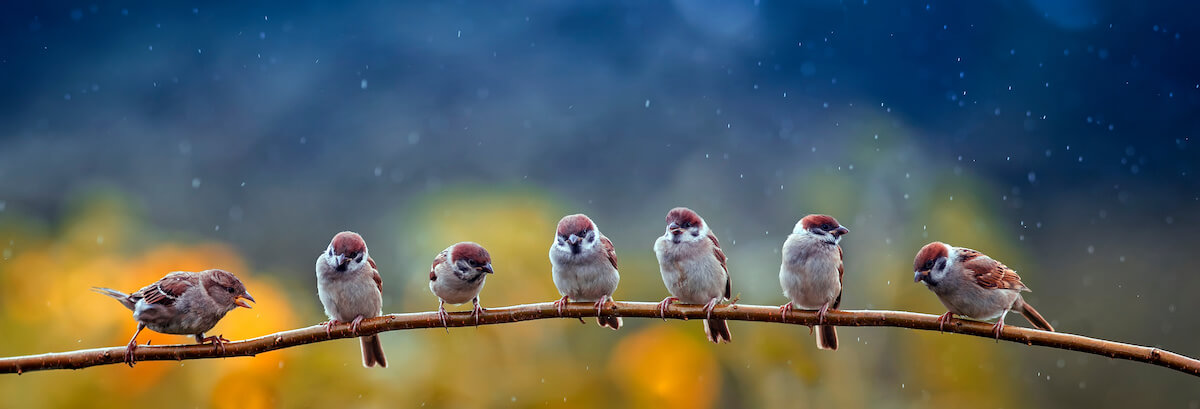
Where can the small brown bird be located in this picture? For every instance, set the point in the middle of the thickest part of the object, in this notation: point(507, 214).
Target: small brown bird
point(583, 264)
point(351, 289)
point(183, 303)
point(693, 268)
point(811, 272)
point(973, 285)
point(457, 276)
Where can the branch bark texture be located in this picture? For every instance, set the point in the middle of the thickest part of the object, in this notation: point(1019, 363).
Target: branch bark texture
point(501, 315)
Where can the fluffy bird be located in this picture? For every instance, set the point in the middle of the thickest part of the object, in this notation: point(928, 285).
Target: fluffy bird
point(811, 271)
point(693, 268)
point(457, 275)
point(973, 285)
point(351, 290)
point(583, 264)
point(183, 303)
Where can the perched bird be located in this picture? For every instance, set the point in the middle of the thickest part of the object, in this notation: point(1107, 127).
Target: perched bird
point(457, 276)
point(811, 272)
point(583, 264)
point(973, 285)
point(693, 268)
point(183, 303)
point(351, 290)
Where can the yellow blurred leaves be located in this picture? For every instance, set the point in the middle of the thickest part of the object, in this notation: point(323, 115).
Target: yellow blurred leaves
point(664, 367)
point(46, 295)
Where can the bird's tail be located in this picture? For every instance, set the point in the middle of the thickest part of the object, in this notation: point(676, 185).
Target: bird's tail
point(1032, 315)
point(827, 337)
point(717, 331)
point(610, 322)
point(120, 296)
point(372, 351)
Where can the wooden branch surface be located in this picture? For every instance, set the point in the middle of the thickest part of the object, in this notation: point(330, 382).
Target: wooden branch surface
point(528, 312)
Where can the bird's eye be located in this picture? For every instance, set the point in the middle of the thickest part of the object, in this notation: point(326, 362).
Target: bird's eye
point(929, 264)
point(230, 289)
point(359, 259)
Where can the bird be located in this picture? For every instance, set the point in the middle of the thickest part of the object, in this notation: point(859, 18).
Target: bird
point(973, 285)
point(457, 275)
point(351, 290)
point(583, 264)
point(693, 269)
point(811, 271)
point(183, 303)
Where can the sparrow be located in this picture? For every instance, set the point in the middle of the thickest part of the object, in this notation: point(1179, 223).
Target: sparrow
point(693, 268)
point(811, 271)
point(583, 264)
point(973, 285)
point(457, 276)
point(351, 290)
point(183, 303)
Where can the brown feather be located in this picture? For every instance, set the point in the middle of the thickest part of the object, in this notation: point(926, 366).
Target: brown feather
point(609, 250)
point(990, 273)
point(167, 289)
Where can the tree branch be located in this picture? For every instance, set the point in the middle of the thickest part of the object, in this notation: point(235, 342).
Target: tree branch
point(501, 315)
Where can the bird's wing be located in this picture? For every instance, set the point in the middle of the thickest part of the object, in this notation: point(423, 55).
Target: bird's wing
point(989, 273)
point(609, 250)
point(167, 289)
point(720, 255)
point(441, 258)
point(841, 271)
point(375, 275)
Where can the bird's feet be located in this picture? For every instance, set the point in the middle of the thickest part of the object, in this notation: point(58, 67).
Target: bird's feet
point(477, 311)
point(354, 324)
point(662, 306)
point(444, 316)
point(561, 304)
point(997, 328)
point(129, 353)
point(785, 309)
point(600, 304)
point(708, 308)
point(821, 314)
point(329, 327)
point(218, 342)
point(942, 320)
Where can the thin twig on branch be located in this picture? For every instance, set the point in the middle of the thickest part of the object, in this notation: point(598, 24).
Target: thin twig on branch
point(501, 315)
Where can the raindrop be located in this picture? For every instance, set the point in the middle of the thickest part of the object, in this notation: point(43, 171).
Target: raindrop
point(647, 103)
point(363, 84)
point(195, 183)
point(1091, 249)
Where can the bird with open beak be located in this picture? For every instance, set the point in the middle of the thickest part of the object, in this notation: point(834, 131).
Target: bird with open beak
point(183, 303)
point(457, 276)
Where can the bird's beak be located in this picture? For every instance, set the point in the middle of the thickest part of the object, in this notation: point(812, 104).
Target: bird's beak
point(487, 268)
point(341, 259)
point(838, 232)
point(674, 228)
point(917, 276)
point(573, 240)
point(240, 303)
